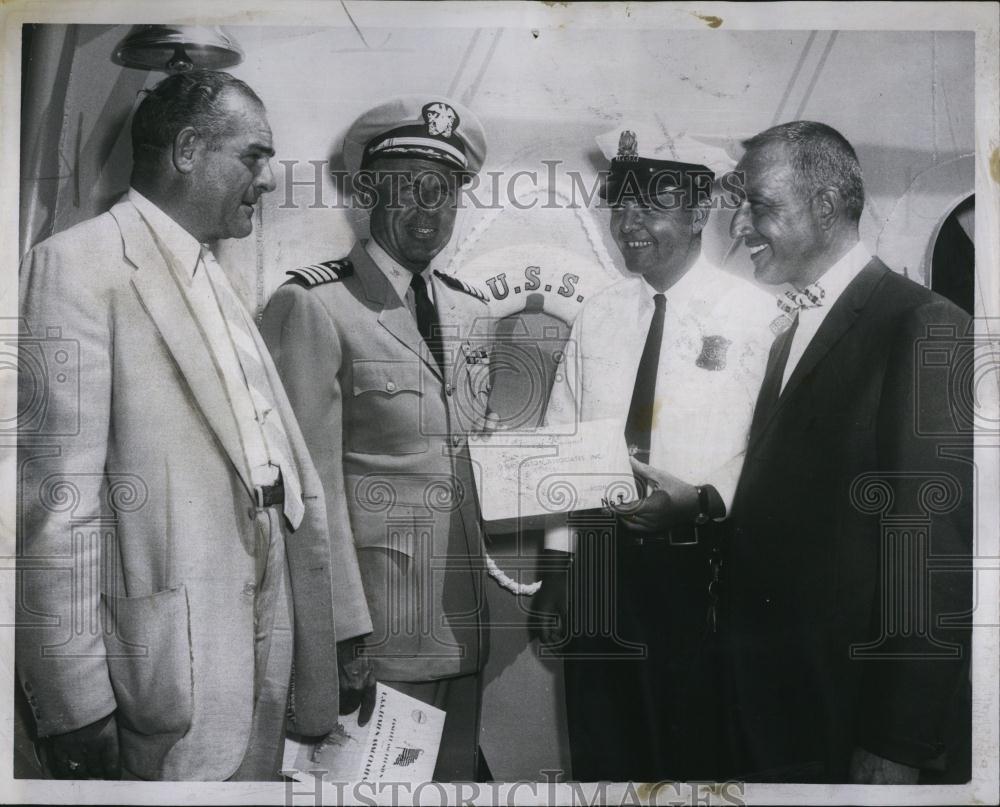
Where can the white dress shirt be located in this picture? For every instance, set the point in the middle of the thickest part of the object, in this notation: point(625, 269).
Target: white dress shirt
point(833, 282)
point(192, 277)
point(399, 276)
point(716, 339)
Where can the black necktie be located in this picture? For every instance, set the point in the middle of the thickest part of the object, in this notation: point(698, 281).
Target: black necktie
point(640, 413)
point(427, 319)
point(770, 390)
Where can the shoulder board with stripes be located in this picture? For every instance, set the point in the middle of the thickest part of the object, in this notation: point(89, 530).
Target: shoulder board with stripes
point(315, 274)
point(460, 285)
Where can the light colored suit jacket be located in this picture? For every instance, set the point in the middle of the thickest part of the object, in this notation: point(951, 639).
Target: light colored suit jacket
point(137, 568)
point(388, 435)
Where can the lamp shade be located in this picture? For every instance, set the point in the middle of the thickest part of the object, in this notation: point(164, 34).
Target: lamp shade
point(178, 48)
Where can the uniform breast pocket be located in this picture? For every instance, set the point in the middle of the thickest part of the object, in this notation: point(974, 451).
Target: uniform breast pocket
point(386, 406)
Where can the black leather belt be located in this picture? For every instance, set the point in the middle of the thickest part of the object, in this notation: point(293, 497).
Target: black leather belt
point(679, 535)
point(270, 495)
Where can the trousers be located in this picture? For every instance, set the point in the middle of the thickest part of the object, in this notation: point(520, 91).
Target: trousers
point(642, 690)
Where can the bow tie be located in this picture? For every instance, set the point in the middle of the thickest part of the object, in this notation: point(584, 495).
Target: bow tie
point(791, 302)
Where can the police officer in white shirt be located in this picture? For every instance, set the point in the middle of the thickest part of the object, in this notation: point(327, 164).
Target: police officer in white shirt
point(676, 352)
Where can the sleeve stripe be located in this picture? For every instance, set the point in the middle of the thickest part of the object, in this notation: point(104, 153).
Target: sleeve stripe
point(313, 276)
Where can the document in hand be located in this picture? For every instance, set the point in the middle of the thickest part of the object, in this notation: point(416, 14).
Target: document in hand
point(399, 744)
point(521, 474)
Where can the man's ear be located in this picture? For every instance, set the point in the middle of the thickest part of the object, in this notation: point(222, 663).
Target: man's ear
point(699, 218)
point(186, 145)
point(827, 207)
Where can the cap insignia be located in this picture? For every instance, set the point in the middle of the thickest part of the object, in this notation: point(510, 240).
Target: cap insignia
point(440, 118)
point(628, 146)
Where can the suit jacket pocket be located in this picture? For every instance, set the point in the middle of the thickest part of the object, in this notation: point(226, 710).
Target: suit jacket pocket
point(149, 660)
point(384, 416)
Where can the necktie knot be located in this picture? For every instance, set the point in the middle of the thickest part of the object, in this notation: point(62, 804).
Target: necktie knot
point(659, 301)
point(794, 301)
point(809, 297)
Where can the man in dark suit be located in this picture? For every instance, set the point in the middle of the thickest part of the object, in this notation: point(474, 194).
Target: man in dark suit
point(845, 578)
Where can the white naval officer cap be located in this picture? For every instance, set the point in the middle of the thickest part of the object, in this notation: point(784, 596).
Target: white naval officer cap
point(429, 127)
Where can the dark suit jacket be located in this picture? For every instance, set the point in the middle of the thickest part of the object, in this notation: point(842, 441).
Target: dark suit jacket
point(834, 629)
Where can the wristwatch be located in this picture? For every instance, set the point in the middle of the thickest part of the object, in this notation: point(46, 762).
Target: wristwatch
point(703, 507)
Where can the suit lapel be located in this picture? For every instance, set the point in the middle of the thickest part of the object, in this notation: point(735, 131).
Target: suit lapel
point(395, 317)
point(840, 319)
point(154, 282)
point(770, 389)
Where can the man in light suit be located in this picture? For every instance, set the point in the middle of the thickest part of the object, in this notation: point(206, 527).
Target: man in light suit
point(846, 652)
point(174, 551)
point(385, 362)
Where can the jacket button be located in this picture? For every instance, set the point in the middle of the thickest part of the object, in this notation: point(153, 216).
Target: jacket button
point(456, 440)
point(390, 386)
point(449, 389)
point(249, 589)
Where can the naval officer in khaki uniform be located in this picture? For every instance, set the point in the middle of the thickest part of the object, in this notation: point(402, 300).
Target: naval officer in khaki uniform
point(676, 352)
point(385, 362)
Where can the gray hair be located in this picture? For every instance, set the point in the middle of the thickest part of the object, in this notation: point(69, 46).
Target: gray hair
point(821, 157)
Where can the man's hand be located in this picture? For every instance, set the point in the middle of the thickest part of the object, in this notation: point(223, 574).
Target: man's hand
point(357, 681)
point(551, 601)
point(869, 769)
point(90, 752)
point(671, 501)
point(335, 739)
